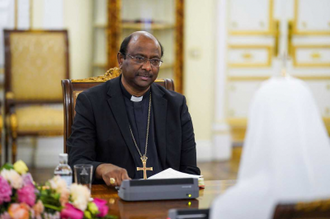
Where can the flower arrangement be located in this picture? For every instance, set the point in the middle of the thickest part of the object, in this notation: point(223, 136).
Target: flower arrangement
point(21, 198)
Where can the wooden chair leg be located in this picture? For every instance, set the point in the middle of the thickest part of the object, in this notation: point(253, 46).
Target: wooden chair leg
point(12, 134)
point(34, 142)
point(6, 146)
point(13, 147)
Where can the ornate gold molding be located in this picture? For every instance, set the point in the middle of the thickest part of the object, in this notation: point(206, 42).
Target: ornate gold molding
point(113, 31)
point(179, 46)
point(140, 26)
point(110, 74)
point(321, 205)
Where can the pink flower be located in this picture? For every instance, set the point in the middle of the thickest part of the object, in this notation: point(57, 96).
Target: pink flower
point(70, 212)
point(5, 191)
point(102, 206)
point(64, 198)
point(27, 179)
point(38, 208)
point(5, 215)
point(19, 211)
point(26, 195)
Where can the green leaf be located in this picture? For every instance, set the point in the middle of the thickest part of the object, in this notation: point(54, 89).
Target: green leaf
point(7, 166)
point(53, 207)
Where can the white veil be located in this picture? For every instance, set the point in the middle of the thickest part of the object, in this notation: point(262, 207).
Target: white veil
point(286, 154)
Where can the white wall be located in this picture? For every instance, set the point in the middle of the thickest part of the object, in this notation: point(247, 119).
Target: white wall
point(78, 21)
point(199, 70)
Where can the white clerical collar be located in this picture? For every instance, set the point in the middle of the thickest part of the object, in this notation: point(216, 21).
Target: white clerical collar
point(136, 99)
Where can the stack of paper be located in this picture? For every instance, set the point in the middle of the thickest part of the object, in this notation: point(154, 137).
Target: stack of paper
point(174, 174)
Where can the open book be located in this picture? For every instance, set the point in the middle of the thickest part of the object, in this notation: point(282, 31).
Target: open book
point(174, 174)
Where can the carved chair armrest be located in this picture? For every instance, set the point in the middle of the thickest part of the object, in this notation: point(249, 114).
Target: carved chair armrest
point(9, 103)
point(10, 114)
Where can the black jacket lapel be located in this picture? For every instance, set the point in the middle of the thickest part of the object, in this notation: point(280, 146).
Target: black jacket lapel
point(118, 108)
point(159, 104)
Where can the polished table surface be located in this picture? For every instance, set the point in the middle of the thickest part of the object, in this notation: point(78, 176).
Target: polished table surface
point(158, 209)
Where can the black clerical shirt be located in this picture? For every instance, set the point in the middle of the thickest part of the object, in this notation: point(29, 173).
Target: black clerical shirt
point(137, 113)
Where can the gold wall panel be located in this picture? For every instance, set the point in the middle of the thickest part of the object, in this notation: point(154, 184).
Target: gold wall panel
point(315, 54)
point(248, 55)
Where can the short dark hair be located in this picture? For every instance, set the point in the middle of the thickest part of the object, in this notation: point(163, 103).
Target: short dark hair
point(124, 45)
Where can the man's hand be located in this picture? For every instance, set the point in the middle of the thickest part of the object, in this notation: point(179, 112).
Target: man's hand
point(106, 171)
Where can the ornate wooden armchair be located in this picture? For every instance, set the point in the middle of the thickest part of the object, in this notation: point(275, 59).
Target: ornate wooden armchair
point(302, 210)
point(72, 88)
point(35, 63)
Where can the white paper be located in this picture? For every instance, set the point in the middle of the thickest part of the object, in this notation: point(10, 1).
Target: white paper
point(173, 174)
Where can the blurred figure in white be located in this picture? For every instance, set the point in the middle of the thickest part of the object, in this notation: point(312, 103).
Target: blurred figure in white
point(286, 155)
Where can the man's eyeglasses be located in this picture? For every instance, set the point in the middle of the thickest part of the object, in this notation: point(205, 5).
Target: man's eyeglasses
point(142, 60)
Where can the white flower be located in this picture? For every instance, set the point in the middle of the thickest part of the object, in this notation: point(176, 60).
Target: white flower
point(58, 184)
point(13, 177)
point(80, 196)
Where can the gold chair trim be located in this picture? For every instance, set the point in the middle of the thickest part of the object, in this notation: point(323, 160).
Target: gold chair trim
point(110, 74)
point(322, 205)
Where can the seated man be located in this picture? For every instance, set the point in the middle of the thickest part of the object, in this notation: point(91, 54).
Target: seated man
point(130, 122)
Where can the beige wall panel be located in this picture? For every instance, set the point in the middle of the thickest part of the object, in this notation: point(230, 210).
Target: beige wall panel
point(100, 12)
point(199, 68)
point(38, 14)
point(100, 52)
point(243, 16)
point(240, 94)
point(78, 21)
point(159, 10)
point(313, 15)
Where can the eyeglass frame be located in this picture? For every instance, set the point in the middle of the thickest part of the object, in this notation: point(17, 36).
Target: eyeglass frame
point(144, 61)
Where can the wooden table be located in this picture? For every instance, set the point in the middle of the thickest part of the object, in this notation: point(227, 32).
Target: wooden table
point(158, 209)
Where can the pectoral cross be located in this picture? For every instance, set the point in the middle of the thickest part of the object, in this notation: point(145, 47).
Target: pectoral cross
point(144, 159)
